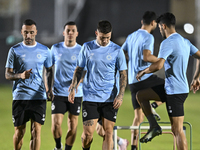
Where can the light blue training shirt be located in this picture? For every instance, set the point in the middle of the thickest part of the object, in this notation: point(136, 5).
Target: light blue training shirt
point(176, 51)
point(101, 63)
point(21, 58)
point(65, 61)
point(135, 43)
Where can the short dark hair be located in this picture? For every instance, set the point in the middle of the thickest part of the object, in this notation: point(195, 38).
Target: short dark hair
point(69, 23)
point(167, 18)
point(104, 26)
point(148, 17)
point(29, 22)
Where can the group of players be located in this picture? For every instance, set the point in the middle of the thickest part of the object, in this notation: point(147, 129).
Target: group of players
point(97, 74)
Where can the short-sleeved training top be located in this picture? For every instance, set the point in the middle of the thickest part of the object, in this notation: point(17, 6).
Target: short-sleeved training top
point(65, 61)
point(21, 58)
point(134, 45)
point(176, 51)
point(101, 63)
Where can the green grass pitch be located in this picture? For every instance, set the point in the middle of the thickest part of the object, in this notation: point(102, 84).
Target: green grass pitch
point(124, 118)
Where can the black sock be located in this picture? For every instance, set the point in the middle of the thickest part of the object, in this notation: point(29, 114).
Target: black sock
point(86, 148)
point(152, 121)
point(154, 105)
point(133, 147)
point(58, 142)
point(67, 147)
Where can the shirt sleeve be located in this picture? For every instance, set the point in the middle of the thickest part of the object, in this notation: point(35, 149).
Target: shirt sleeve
point(81, 57)
point(53, 54)
point(193, 49)
point(165, 50)
point(121, 61)
point(149, 43)
point(10, 58)
point(48, 61)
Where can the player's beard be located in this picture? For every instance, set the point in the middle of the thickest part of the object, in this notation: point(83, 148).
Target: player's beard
point(28, 41)
point(163, 33)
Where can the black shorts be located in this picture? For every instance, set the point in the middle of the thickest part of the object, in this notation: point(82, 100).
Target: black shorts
point(24, 110)
point(152, 81)
point(60, 104)
point(94, 110)
point(174, 104)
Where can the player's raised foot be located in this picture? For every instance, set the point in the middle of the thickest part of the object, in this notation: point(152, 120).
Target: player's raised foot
point(156, 115)
point(58, 148)
point(124, 145)
point(151, 134)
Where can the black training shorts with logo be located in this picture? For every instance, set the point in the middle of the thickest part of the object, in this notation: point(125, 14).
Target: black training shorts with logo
point(95, 110)
point(24, 110)
point(60, 104)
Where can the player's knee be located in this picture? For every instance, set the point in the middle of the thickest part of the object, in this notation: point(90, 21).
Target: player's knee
point(176, 130)
point(56, 126)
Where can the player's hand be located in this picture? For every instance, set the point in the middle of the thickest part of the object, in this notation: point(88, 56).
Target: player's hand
point(71, 95)
point(50, 96)
point(26, 74)
point(117, 102)
point(140, 74)
point(195, 85)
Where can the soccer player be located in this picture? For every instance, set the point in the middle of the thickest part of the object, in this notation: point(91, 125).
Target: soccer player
point(24, 66)
point(195, 84)
point(173, 55)
point(102, 58)
point(138, 48)
point(65, 56)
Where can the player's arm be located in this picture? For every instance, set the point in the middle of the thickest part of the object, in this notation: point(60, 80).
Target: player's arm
point(153, 68)
point(48, 81)
point(76, 79)
point(123, 80)
point(195, 84)
point(126, 56)
point(148, 57)
point(10, 75)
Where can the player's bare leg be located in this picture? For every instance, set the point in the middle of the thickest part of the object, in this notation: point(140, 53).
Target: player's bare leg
point(177, 129)
point(138, 118)
point(56, 128)
point(18, 136)
point(72, 128)
point(108, 138)
point(88, 130)
point(144, 97)
point(35, 135)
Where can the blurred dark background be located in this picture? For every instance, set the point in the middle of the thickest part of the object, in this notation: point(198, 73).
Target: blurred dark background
point(125, 17)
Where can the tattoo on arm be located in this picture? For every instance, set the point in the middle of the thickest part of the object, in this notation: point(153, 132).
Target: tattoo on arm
point(50, 77)
point(77, 76)
point(10, 75)
point(88, 123)
point(123, 81)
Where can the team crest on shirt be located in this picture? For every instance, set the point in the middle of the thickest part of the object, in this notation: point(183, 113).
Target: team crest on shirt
point(73, 57)
point(39, 56)
point(108, 57)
